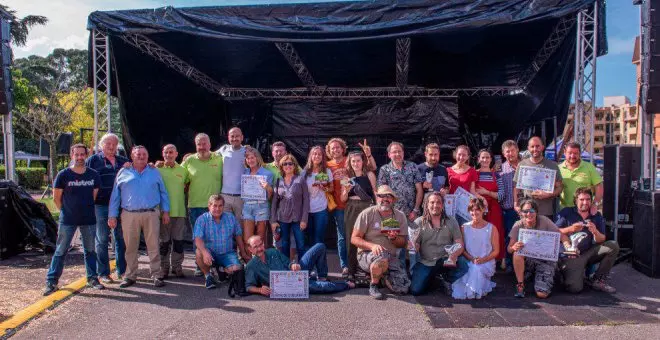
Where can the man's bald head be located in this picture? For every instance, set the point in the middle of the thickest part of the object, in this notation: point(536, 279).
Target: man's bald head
point(235, 136)
point(535, 147)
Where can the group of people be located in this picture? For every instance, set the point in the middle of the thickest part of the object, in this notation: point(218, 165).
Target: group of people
point(391, 227)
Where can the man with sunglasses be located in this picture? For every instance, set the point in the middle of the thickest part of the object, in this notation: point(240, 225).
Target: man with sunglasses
point(587, 232)
point(379, 232)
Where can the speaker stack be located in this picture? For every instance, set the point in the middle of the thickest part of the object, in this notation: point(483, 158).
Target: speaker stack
point(5, 73)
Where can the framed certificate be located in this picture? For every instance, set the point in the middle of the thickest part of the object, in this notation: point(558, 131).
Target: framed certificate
point(289, 284)
point(542, 245)
point(534, 178)
point(251, 188)
point(450, 205)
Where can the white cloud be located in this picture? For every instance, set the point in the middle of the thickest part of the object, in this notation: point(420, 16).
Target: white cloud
point(618, 45)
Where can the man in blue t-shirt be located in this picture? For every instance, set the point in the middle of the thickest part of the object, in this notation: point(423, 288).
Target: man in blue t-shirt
point(74, 193)
point(587, 234)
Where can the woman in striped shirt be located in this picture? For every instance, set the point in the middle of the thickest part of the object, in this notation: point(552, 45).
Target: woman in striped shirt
point(490, 186)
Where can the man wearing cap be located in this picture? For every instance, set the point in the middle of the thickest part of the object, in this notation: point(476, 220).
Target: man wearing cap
point(379, 231)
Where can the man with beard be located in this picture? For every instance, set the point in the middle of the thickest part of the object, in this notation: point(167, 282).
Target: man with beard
point(140, 193)
point(233, 163)
point(433, 170)
point(278, 150)
point(436, 230)
point(75, 189)
point(545, 200)
point(379, 231)
point(587, 232)
point(205, 171)
point(576, 174)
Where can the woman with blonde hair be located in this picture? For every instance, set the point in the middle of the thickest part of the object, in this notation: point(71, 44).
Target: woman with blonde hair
point(256, 212)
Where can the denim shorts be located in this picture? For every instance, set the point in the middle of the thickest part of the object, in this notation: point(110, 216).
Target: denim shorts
point(226, 260)
point(257, 212)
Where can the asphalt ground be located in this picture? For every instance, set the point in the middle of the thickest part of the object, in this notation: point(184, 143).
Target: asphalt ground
point(185, 309)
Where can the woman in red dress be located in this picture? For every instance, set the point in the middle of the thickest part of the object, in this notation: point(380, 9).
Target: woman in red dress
point(489, 185)
point(462, 174)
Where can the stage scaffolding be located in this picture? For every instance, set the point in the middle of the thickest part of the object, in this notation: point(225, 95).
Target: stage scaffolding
point(585, 75)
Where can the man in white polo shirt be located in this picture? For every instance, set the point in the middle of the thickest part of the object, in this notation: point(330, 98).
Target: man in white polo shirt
point(233, 157)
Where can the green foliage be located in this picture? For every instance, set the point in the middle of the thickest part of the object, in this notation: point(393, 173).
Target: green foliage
point(20, 27)
point(29, 178)
point(62, 70)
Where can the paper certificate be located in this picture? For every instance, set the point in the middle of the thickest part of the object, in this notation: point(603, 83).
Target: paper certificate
point(533, 178)
point(542, 245)
point(251, 188)
point(289, 284)
point(450, 205)
point(461, 201)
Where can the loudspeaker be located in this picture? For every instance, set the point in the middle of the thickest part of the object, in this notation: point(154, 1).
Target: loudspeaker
point(63, 145)
point(6, 102)
point(622, 167)
point(646, 233)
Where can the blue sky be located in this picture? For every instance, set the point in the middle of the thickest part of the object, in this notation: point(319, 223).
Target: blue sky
point(615, 71)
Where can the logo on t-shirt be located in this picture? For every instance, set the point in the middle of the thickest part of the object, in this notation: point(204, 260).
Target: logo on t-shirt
point(80, 183)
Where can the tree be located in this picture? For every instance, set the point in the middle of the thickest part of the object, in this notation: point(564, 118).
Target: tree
point(68, 67)
point(21, 27)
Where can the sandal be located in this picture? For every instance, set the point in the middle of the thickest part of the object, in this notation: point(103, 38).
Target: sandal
point(520, 290)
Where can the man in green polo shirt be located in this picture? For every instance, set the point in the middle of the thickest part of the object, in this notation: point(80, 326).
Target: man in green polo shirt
point(175, 178)
point(578, 174)
point(278, 150)
point(205, 173)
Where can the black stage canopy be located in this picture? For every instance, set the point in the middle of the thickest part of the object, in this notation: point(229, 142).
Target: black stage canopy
point(415, 71)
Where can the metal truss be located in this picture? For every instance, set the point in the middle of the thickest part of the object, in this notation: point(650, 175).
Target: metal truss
point(101, 69)
point(553, 42)
point(364, 92)
point(289, 52)
point(402, 62)
point(585, 77)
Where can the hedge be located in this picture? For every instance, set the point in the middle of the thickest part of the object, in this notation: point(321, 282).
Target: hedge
point(29, 178)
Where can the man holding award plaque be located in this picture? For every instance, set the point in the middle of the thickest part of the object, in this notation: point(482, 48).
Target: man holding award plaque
point(588, 245)
point(379, 231)
point(538, 178)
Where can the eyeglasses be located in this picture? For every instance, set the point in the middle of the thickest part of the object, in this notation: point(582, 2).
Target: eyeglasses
point(528, 211)
point(384, 196)
point(287, 164)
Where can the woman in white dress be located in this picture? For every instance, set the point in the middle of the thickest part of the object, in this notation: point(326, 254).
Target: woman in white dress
point(481, 249)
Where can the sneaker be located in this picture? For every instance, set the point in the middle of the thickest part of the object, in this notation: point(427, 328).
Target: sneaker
point(375, 293)
point(126, 283)
point(106, 279)
point(602, 286)
point(178, 273)
point(210, 282)
point(198, 272)
point(50, 288)
point(94, 283)
point(520, 290)
point(158, 282)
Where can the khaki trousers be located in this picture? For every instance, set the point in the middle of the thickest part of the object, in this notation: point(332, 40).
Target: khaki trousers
point(234, 205)
point(133, 223)
point(171, 238)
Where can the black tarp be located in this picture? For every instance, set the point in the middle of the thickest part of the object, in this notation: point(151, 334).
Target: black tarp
point(23, 221)
point(454, 44)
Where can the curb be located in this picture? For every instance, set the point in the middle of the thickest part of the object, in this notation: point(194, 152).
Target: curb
point(9, 326)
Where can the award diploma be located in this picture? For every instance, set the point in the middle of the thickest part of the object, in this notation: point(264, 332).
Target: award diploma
point(542, 245)
point(461, 201)
point(533, 178)
point(251, 188)
point(289, 284)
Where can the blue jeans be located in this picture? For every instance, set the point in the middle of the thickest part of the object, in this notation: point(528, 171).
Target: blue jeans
point(64, 237)
point(338, 214)
point(285, 230)
point(316, 226)
point(102, 241)
point(422, 274)
point(315, 258)
point(509, 217)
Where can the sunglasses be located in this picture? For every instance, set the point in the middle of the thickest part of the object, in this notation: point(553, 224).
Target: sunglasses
point(287, 164)
point(385, 196)
point(528, 211)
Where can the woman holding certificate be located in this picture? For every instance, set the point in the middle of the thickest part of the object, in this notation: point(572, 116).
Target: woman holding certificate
point(358, 193)
point(462, 175)
point(255, 210)
point(319, 181)
point(482, 246)
point(290, 209)
point(490, 186)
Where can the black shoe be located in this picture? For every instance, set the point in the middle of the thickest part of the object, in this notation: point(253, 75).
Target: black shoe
point(126, 283)
point(223, 277)
point(158, 282)
point(94, 283)
point(375, 293)
point(50, 288)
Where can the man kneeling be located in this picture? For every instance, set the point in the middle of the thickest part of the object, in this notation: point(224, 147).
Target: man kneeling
point(257, 271)
point(214, 234)
point(378, 232)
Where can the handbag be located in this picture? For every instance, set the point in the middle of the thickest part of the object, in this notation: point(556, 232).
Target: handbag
point(332, 205)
